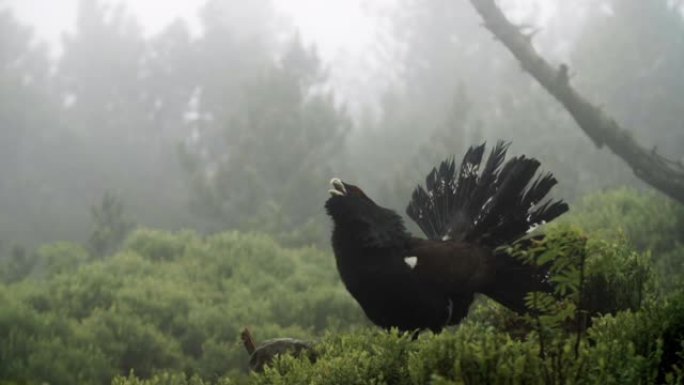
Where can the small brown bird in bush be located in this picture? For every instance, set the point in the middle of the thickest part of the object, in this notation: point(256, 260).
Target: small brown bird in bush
point(467, 214)
point(264, 354)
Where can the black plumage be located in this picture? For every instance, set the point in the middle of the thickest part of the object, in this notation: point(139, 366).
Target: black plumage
point(467, 213)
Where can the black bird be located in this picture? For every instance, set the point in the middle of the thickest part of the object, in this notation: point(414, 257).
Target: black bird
point(412, 283)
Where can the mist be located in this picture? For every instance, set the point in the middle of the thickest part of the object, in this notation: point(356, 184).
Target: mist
point(157, 119)
point(226, 117)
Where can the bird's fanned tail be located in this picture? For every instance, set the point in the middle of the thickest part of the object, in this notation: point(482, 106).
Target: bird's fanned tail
point(491, 204)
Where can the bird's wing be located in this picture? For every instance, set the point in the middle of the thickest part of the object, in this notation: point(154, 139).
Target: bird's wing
point(451, 267)
point(384, 230)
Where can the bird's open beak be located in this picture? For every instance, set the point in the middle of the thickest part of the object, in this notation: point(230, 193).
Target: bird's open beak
point(337, 187)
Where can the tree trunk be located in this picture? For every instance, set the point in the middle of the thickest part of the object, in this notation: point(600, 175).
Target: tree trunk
point(659, 172)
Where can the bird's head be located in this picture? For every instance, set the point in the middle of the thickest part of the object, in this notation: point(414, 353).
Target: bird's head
point(357, 216)
point(347, 201)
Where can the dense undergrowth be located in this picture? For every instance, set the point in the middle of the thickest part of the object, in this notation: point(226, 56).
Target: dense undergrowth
point(166, 301)
point(168, 309)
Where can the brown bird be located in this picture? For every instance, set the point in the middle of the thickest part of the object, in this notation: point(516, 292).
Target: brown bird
point(264, 354)
point(413, 283)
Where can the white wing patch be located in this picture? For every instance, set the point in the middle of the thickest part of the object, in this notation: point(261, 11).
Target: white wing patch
point(411, 261)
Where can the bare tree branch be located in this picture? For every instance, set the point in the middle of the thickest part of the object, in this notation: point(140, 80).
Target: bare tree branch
point(664, 175)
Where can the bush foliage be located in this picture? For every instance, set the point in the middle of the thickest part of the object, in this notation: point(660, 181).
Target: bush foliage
point(165, 302)
point(647, 222)
point(168, 308)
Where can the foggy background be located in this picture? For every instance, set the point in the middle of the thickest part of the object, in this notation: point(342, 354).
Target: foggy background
point(220, 114)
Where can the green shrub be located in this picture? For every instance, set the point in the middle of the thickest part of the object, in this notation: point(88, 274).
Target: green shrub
point(479, 354)
point(18, 265)
point(166, 302)
point(618, 277)
point(647, 221)
point(62, 257)
point(167, 379)
point(168, 308)
point(158, 245)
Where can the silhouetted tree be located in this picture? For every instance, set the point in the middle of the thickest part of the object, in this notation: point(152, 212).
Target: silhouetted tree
point(110, 226)
point(273, 149)
point(29, 132)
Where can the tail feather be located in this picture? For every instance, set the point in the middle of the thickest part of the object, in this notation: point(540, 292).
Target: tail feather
point(492, 206)
point(513, 283)
point(514, 279)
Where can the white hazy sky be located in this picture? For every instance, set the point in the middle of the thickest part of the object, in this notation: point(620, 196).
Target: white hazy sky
point(332, 24)
point(344, 31)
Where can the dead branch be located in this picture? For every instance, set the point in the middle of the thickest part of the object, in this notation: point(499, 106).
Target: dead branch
point(663, 175)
